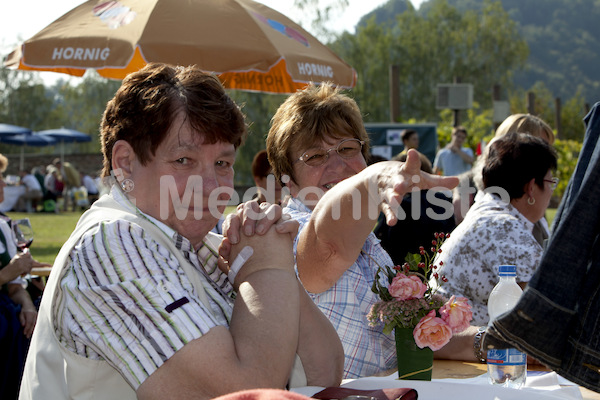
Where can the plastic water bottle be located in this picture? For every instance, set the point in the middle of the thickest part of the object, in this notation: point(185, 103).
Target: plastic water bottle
point(506, 367)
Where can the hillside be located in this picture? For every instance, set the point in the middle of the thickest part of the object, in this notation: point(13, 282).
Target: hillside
point(562, 36)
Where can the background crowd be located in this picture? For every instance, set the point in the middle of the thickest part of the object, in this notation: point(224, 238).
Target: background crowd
point(54, 187)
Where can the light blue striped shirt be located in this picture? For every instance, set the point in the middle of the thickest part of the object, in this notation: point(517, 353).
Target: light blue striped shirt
point(367, 350)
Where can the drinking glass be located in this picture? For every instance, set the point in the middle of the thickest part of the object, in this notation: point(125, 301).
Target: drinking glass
point(23, 233)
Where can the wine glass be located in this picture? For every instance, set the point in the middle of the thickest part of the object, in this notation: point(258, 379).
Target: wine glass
point(23, 233)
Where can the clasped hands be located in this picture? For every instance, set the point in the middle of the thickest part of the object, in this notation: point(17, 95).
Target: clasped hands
point(264, 228)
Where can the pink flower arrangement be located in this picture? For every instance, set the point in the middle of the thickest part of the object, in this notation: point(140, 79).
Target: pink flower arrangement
point(457, 313)
point(432, 331)
point(407, 287)
point(409, 302)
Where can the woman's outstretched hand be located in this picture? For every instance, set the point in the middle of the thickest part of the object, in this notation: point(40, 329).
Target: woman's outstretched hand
point(395, 180)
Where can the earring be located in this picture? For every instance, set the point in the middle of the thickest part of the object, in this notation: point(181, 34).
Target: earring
point(127, 185)
point(530, 201)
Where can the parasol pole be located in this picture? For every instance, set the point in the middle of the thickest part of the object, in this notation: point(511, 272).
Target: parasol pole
point(22, 159)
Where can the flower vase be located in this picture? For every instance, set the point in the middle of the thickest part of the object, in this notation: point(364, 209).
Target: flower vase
point(413, 362)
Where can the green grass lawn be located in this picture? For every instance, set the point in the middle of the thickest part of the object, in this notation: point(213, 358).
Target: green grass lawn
point(52, 230)
point(550, 213)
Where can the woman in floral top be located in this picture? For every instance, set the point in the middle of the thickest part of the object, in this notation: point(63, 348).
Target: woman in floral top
point(497, 230)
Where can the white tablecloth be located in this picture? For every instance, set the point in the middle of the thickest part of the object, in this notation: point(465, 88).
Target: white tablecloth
point(543, 386)
point(11, 196)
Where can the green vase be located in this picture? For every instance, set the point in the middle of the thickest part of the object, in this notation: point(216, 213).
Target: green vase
point(413, 362)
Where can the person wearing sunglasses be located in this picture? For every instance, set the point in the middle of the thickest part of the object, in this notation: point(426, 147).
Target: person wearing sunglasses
point(498, 228)
point(318, 147)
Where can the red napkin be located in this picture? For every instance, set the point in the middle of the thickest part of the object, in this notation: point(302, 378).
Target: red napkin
point(379, 394)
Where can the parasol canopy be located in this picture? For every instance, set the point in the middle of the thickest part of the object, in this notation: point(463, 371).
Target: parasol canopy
point(64, 135)
point(8, 130)
point(27, 140)
point(247, 44)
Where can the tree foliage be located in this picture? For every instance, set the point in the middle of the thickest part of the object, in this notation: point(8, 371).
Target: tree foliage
point(318, 14)
point(482, 48)
point(568, 153)
point(544, 106)
point(369, 53)
point(27, 102)
point(572, 113)
point(480, 42)
point(258, 108)
point(563, 38)
point(21, 90)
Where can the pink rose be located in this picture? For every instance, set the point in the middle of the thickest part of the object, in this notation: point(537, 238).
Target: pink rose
point(432, 331)
point(457, 313)
point(407, 287)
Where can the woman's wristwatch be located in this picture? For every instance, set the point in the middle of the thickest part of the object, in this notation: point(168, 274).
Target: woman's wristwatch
point(478, 345)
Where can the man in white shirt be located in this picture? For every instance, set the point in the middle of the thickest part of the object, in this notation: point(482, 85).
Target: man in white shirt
point(92, 189)
point(33, 192)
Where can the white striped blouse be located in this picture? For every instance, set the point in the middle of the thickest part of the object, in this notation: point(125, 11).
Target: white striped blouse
point(125, 299)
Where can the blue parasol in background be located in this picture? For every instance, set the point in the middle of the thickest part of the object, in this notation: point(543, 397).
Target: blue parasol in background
point(27, 140)
point(7, 130)
point(64, 135)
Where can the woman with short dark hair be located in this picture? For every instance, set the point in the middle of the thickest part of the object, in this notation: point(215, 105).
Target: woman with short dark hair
point(138, 305)
point(515, 160)
point(497, 230)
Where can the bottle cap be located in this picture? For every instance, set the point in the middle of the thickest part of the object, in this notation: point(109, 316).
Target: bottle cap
point(507, 270)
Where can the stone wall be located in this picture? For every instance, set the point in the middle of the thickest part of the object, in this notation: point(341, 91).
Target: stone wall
point(83, 162)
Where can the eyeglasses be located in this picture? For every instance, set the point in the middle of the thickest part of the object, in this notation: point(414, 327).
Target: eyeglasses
point(553, 182)
point(346, 149)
